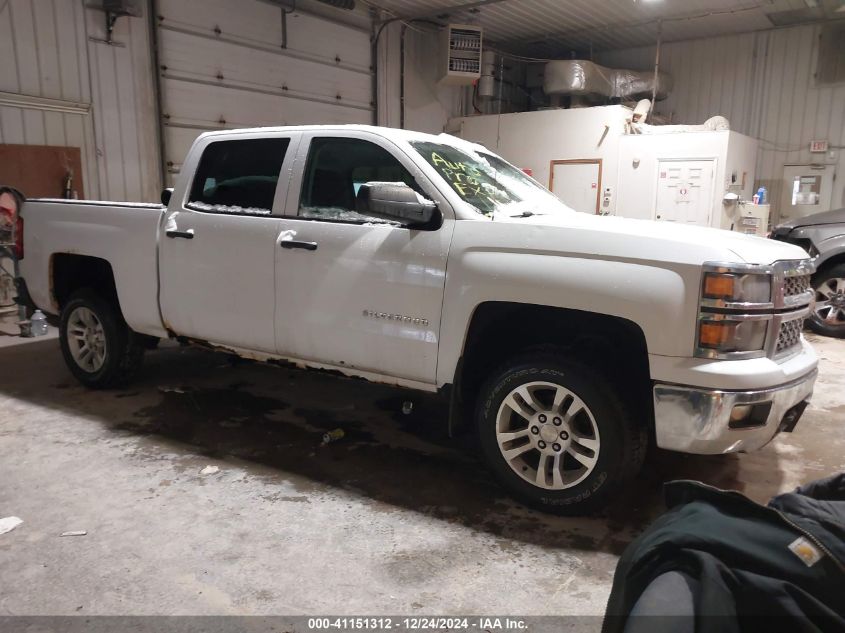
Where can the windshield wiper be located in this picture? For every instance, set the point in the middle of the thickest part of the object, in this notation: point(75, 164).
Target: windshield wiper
point(526, 214)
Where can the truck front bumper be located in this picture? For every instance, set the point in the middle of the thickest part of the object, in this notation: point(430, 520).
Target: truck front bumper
point(695, 420)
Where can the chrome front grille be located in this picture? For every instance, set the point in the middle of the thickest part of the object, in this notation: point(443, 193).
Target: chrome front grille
point(789, 335)
point(796, 285)
point(791, 283)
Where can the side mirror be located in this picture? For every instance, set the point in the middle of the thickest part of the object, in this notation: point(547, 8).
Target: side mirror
point(165, 195)
point(394, 201)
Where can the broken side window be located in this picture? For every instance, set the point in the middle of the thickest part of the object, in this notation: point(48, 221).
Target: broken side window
point(238, 176)
point(336, 169)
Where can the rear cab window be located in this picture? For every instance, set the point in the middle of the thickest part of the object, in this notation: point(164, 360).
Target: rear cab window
point(238, 176)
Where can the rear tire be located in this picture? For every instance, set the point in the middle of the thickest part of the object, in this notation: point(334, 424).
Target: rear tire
point(828, 317)
point(98, 346)
point(568, 444)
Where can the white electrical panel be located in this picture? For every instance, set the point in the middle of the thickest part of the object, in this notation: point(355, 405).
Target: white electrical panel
point(461, 51)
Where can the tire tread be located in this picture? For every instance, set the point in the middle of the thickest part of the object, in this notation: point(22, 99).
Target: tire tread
point(125, 346)
point(634, 435)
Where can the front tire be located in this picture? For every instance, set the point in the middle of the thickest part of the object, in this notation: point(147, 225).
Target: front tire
point(100, 350)
point(555, 434)
point(828, 317)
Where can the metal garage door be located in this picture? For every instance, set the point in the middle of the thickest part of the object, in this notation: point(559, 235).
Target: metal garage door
point(223, 65)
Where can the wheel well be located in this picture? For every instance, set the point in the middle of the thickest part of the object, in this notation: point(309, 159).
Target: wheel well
point(835, 260)
point(611, 345)
point(70, 273)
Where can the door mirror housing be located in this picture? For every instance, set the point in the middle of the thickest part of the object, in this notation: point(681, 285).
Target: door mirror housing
point(165, 195)
point(394, 201)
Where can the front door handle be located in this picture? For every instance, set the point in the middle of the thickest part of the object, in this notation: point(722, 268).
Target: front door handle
point(185, 235)
point(308, 246)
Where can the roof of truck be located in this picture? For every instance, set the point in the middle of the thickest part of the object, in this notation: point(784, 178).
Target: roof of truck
point(395, 134)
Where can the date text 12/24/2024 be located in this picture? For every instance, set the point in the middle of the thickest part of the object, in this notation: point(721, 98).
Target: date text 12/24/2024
point(416, 623)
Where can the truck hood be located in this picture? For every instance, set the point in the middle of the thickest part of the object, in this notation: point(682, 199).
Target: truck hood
point(668, 240)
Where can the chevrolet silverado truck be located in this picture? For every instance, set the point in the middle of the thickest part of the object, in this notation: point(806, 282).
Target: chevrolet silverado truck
point(424, 261)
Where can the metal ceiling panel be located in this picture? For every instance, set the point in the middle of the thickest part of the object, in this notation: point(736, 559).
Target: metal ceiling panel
point(553, 28)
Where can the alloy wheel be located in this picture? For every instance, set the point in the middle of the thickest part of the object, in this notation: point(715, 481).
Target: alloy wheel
point(547, 435)
point(86, 339)
point(830, 302)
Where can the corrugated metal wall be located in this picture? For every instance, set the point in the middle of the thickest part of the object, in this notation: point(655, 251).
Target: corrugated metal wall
point(764, 83)
point(125, 124)
point(46, 52)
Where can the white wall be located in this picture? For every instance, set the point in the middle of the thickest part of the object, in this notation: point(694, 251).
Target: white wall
point(45, 52)
point(640, 156)
point(764, 83)
point(533, 139)
point(428, 105)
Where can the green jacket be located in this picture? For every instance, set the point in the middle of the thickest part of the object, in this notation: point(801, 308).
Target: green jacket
point(779, 567)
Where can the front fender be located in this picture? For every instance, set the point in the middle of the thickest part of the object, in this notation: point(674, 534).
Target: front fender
point(659, 299)
point(830, 250)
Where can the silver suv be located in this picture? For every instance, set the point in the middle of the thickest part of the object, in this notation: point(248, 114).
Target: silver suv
point(823, 236)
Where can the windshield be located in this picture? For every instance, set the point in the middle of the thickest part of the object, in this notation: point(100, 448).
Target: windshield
point(488, 184)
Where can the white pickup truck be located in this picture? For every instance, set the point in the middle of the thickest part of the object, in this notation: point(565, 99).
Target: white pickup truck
point(427, 262)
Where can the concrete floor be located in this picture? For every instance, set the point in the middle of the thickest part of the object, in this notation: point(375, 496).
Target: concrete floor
point(392, 519)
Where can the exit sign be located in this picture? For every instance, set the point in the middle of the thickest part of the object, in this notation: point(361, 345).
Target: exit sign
point(818, 146)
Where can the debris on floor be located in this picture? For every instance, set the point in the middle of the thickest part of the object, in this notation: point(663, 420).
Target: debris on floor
point(7, 524)
point(172, 390)
point(209, 470)
point(74, 533)
point(407, 407)
point(332, 436)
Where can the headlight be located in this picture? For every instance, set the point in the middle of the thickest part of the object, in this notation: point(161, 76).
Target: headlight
point(751, 311)
point(736, 308)
point(737, 335)
point(720, 289)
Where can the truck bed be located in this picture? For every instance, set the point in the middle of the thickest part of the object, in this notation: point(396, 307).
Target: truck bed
point(125, 235)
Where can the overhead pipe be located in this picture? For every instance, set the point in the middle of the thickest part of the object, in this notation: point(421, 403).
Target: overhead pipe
point(155, 54)
point(380, 25)
point(285, 23)
point(402, 76)
point(656, 67)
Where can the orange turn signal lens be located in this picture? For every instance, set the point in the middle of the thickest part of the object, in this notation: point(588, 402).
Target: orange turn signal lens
point(715, 334)
point(719, 286)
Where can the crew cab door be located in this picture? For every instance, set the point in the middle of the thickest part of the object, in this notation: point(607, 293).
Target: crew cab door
point(353, 291)
point(218, 240)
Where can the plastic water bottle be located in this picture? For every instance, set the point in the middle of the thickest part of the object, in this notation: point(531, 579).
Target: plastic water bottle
point(761, 195)
point(38, 323)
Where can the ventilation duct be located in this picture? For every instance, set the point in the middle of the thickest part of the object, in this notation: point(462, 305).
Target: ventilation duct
point(586, 79)
point(713, 124)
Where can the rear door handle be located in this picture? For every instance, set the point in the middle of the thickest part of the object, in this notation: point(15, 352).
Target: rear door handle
point(308, 246)
point(186, 235)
